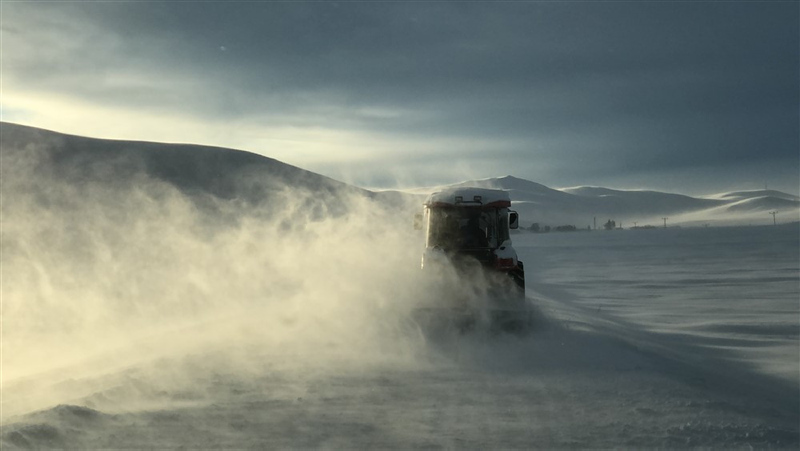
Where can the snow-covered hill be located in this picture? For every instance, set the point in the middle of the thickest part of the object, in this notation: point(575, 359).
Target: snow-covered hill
point(202, 173)
point(208, 173)
point(582, 206)
point(740, 195)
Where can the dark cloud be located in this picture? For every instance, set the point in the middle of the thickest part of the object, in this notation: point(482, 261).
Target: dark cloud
point(591, 90)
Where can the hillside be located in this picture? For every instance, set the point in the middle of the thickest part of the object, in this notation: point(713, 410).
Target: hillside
point(207, 175)
point(580, 206)
point(210, 175)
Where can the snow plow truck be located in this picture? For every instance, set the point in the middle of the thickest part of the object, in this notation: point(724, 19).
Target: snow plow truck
point(469, 256)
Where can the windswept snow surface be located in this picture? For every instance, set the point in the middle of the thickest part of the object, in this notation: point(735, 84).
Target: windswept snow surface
point(665, 338)
point(731, 291)
point(142, 309)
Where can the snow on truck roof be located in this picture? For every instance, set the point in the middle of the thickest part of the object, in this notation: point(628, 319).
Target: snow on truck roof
point(469, 197)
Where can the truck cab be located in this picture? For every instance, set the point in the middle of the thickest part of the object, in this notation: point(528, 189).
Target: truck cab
point(467, 230)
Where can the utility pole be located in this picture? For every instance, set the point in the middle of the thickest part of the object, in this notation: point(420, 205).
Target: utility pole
point(595, 222)
point(774, 221)
point(665, 222)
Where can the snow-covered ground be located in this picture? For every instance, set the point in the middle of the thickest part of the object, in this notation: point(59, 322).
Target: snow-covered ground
point(651, 338)
point(731, 293)
point(150, 303)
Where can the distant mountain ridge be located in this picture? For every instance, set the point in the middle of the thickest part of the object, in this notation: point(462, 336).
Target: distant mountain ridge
point(586, 205)
point(754, 194)
point(252, 180)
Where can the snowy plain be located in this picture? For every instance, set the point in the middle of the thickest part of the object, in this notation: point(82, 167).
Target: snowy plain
point(641, 341)
point(140, 312)
point(733, 290)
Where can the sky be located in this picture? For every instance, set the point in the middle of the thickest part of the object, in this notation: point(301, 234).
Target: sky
point(687, 97)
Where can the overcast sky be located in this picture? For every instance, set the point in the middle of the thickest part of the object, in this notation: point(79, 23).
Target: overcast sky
point(688, 97)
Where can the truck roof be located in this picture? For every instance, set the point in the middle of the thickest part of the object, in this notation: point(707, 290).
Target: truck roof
point(469, 197)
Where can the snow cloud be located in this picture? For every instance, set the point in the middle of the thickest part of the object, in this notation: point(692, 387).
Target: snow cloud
point(118, 267)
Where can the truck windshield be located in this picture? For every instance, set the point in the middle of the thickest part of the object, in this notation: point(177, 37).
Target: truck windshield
point(462, 228)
